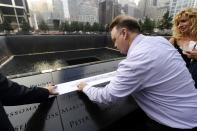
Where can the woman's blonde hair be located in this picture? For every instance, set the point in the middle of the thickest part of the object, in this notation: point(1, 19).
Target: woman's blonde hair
point(192, 14)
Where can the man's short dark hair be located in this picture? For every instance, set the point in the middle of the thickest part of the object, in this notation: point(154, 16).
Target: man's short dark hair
point(125, 21)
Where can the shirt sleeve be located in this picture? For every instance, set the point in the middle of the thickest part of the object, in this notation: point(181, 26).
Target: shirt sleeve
point(128, 79)
point(12, 93)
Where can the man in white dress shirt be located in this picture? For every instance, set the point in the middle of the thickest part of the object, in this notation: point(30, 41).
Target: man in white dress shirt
point(154, 74)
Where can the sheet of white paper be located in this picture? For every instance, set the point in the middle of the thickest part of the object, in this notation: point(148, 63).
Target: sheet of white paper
point(94, 80)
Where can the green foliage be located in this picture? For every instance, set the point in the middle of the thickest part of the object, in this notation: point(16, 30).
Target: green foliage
point(7, 25)
point(1, 28)
point(140, 23)
point(95, 27)
point(148, 25)
point(107, 27)
point(74, 26)
point(102, 28)
point(61, 27)
point(56, 24)
point(80, 26)
point(43, 26)
point(66, 26)
point(25, 26)
point(165, 22)
point(87, 26)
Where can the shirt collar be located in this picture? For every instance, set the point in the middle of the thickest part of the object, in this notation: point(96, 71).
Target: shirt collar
point(136, 40)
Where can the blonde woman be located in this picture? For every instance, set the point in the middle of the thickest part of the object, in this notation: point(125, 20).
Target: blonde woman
point(185, 38)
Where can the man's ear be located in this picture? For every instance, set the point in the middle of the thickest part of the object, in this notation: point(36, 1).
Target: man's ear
point(125, 33)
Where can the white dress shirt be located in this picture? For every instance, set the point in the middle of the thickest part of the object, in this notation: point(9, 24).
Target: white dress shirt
point(155, 74)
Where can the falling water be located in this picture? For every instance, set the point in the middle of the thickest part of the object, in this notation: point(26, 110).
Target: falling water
point(44, 65)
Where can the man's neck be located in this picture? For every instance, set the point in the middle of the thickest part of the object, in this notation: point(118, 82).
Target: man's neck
point(132, 36)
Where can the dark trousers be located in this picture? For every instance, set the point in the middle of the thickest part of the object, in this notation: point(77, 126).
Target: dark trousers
point(151, 125)
point(193, 70)
point(139, 121)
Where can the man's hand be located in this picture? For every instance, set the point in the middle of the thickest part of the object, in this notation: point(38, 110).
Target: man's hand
point(51, 88)
point(81, 85)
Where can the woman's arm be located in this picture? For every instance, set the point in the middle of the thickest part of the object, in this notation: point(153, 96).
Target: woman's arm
point(172, 40)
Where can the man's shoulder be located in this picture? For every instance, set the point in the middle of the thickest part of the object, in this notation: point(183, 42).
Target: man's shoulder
point(158, 38)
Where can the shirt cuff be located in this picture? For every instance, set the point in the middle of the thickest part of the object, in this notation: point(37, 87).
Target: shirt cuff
point(86, 88)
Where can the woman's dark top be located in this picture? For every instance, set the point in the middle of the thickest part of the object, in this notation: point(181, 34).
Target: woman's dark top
point(185, 58)
point(191, 64)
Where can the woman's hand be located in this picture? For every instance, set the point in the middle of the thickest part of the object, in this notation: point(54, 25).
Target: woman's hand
point(191, 54)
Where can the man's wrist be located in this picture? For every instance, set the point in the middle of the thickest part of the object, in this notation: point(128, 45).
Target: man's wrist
point(86, 88)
